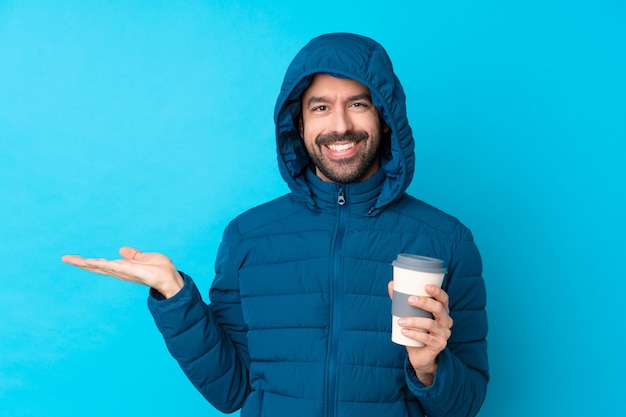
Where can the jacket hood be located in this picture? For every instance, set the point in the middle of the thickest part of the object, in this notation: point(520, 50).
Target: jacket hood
point(362, 59)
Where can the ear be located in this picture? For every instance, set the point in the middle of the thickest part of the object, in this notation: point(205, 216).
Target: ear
point(301, 127)
point(386, 128)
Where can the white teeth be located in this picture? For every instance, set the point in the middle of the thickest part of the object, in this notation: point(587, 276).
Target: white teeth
point(340, 147)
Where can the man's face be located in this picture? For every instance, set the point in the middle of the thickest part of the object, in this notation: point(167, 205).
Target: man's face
point(341, 129)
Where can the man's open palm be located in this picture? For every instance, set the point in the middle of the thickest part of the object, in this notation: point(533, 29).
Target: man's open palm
point(148, 268)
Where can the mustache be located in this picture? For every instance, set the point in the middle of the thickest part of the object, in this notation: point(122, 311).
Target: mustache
point(351, 136)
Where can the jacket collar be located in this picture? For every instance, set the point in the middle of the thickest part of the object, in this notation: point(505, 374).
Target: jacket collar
point(360, 196)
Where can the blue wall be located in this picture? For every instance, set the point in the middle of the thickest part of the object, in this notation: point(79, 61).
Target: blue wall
point(150, 124)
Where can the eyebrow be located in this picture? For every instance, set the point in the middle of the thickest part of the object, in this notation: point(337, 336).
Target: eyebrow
point(324, 99)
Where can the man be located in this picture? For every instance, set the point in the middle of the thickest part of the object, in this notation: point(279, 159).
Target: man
point(299, 320)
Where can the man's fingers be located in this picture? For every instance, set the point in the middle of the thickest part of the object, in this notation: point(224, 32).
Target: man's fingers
point(438, 294)
point(74, 260)
point(101, 266)
point(98, 265)
point(84, 262)
point(440, 311)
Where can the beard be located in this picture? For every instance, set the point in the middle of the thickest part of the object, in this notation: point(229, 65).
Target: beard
point(350, 169)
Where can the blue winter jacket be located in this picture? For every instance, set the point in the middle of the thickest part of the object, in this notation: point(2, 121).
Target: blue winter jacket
point(299, 320)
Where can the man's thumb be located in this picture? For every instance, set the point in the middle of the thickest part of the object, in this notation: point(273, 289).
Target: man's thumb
point(130, 253)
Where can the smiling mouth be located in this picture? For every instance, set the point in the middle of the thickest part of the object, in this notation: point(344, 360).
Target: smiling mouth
point(341, 147)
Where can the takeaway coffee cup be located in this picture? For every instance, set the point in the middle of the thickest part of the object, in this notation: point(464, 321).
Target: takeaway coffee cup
point(411, 274)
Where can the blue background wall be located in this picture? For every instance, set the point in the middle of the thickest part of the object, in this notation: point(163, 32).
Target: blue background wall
point(150, 124)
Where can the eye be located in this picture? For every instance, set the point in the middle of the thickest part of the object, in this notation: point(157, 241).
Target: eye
point(360, 105)
point(319, 109)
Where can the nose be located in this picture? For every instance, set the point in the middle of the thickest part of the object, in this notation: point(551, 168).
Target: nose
point(341, 121)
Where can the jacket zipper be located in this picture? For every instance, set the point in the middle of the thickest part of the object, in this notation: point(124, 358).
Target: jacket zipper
point(336, 297)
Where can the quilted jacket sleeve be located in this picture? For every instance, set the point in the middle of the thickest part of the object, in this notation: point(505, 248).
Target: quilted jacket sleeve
point(208, 341)
point(460, 384)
